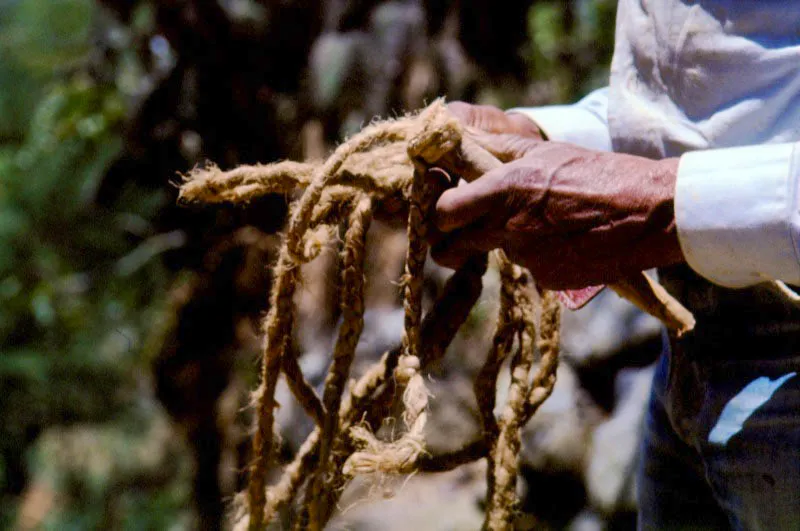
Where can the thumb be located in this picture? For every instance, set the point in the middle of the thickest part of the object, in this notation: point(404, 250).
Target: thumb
point(459, 246)
point(466, 203)
point(489, 196)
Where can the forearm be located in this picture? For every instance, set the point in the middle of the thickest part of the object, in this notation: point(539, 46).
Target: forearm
point(737, 210)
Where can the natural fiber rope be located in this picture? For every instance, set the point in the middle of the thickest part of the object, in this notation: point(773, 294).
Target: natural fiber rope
point(400, 456)
point(502, 474)
point(439, 327)
point(210, 185)
point(352, 306)
point(486, 381)
point(370, 137)
point(277, 330)
point(373, 165)
point(544, 379)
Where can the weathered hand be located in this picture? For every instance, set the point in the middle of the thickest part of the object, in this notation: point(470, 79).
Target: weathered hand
point(574, 217)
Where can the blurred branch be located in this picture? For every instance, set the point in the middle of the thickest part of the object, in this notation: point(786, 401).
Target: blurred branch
point(148, 250)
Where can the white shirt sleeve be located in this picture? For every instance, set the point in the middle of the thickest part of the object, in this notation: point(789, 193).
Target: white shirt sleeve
point(738, 213)
point(585, 123)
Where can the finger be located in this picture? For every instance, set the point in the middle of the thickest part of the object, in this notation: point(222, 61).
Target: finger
point(463, 205)
point(490, 119)
point(506, 147)
point(439, 180)
point(481, 117)
point(457, 247)
point(522, 125)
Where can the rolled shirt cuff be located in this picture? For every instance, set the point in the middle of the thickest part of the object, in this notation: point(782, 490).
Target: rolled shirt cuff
point(584, 123)
point(737, 214)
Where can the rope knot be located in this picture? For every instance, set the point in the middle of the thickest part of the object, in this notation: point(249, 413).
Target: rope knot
point(407, 367)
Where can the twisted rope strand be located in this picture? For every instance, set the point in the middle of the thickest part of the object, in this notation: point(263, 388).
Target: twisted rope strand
point(485, 386)
point(277, 328)
point(352, 305)
point(300, 387)
point(502, 498)
point(544, 380)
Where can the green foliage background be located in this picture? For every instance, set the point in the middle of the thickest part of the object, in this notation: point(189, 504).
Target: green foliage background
point(81, 284)
point(77, 285)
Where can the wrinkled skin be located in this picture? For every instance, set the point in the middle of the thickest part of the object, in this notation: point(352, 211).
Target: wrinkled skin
point(574, 217)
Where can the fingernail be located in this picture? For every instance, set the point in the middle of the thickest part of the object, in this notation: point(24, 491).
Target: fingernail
point(444, 178)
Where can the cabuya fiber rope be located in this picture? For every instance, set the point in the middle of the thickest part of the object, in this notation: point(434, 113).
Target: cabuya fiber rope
point(387, 160)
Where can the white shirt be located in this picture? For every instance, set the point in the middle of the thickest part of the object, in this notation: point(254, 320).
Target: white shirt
point(716, 82)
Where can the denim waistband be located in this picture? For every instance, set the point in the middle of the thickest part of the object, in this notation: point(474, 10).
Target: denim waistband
point(735, 317)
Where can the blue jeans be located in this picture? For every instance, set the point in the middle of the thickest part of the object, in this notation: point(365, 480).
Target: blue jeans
point(721, 447)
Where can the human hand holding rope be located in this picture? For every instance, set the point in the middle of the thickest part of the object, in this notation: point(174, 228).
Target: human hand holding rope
point(575, 217)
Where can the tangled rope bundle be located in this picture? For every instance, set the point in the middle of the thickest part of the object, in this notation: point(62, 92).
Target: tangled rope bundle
point(387, 161)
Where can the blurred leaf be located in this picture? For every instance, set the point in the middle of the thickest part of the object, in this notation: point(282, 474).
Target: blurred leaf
point(45, 35)
point(38, 39)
